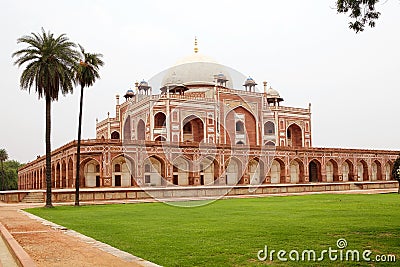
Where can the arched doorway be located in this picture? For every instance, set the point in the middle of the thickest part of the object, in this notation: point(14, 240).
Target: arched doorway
point(181, 171)
point(331, 171)
point(314, 171)
point(40, 178)
point(70, 173)
point(270, 144)
point(376, 171)
point(208, 171)
point(141, 130)
point(233, 172)
point(58, 176)
point(193, 129)
point(34, 180)
point(347, 171)
point(388, 171)
point(256, 171)
point(115, 135)
point(154, 171)
point(296, 171)
point(269, 128)
point(121, 172)
point(294, 136)
point(63, 175)
point(160, 138)
point(159, 120)
point(362, 170)
point(277, 172)
point(127, 129)
point(53, 176)
point(241, 126)
point(91, 173)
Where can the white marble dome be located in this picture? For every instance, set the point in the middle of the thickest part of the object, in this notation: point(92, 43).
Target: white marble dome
point(196, 69)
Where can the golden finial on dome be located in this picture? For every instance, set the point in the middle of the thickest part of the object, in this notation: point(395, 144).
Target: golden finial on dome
point(196, 49)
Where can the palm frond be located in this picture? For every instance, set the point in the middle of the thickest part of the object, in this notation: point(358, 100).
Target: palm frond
point(87, 71)
point(48, 61)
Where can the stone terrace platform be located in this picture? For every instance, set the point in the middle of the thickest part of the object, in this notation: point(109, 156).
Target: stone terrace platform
point(135, 193)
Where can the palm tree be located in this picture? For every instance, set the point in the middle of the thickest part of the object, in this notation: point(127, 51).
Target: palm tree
point(3, 157)
point(86, 73)
point(49, 61)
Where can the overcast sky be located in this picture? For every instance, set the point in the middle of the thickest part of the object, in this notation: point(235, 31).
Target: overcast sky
point(304, 49)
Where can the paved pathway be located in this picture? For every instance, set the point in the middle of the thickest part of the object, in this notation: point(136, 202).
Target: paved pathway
point(50, 246)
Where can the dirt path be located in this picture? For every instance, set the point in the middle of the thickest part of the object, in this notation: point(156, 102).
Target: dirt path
point(52, 247)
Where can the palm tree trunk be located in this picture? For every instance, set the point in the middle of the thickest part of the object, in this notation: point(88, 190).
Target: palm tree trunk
point(78, 151)
point(48, 153)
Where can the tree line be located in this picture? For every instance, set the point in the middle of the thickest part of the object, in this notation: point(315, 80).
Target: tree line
point(8, 172)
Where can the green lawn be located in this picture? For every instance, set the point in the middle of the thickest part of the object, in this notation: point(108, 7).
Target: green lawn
point(231, 232)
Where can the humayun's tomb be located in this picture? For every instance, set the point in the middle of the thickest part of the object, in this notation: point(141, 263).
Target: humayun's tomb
point(195, 128)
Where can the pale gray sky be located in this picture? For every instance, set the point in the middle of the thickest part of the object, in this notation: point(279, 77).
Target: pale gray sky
point(304, 49)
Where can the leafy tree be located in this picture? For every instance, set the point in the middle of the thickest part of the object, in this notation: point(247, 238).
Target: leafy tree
point(49, 64)
point(396, 171)
point(362, 11)
point(11, 174)
point(13, 164)
point(86, 73)
point(3, 157)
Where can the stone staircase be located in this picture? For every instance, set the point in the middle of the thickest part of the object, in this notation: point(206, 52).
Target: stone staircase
point(356, 186)
point(33, 197)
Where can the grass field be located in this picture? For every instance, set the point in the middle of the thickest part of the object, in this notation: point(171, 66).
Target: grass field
point(231, 232)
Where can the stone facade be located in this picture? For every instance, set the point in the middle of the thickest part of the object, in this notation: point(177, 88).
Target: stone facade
point(200, 131)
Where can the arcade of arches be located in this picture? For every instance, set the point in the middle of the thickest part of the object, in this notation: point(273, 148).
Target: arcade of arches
point(156, 170)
